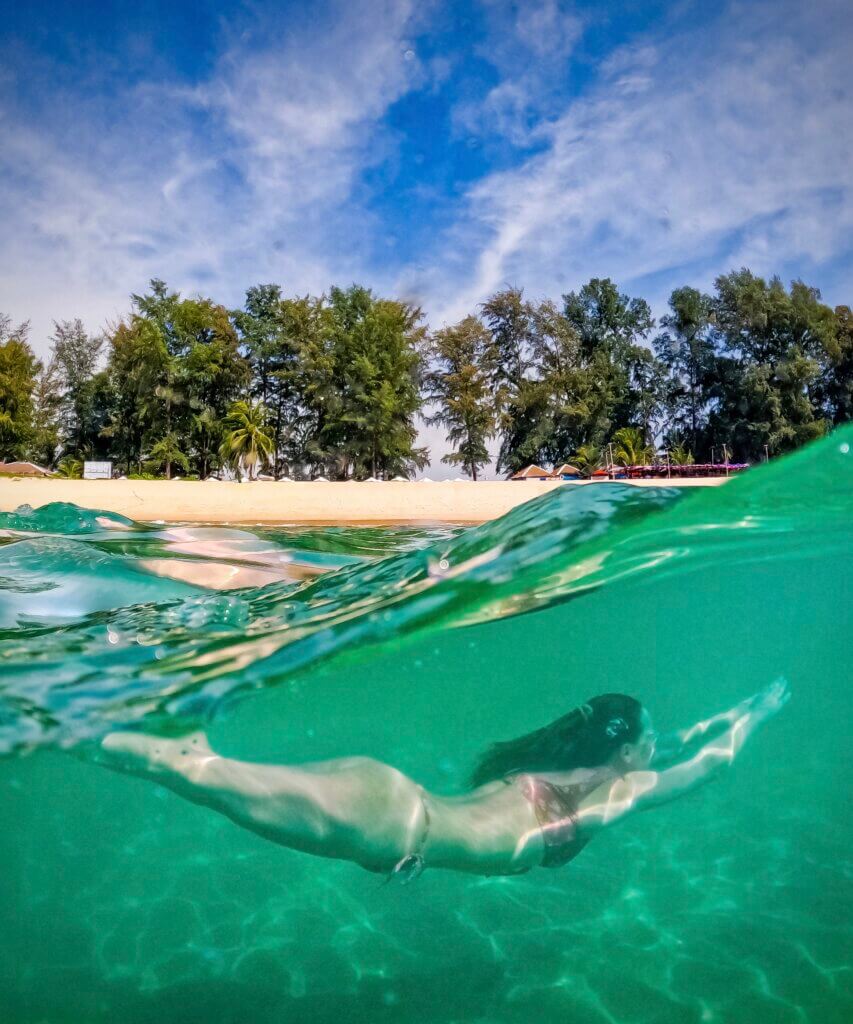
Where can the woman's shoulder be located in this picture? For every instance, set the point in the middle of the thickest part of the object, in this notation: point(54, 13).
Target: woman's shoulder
point(577, 776)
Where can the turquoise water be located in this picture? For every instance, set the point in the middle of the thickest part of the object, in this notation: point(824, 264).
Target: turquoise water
point(120, 902)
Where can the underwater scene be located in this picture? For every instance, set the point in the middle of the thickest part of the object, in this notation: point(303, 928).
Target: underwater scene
point(419, 647)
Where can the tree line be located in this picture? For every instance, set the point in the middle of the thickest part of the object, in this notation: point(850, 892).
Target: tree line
point(333, 385)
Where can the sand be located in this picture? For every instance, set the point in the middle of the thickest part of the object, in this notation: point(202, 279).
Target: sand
point(268, 502)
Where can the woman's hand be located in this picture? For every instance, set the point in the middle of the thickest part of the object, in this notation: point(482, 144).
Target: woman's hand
point(770, 701)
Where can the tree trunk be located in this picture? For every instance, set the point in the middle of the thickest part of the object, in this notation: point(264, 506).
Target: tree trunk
point(276, 461)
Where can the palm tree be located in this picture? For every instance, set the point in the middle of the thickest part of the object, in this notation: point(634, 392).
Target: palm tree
point(680, 455)
point(246, 442)
point(70, 468)
point(630, 448)
point(167, 452)
point(587, 458)
point(205, 428)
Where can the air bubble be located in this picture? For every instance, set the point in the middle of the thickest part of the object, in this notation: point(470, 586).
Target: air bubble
point(844, 448)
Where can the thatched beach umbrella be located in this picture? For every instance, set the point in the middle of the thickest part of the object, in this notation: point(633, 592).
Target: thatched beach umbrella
point(533, 472)
point(23, 469)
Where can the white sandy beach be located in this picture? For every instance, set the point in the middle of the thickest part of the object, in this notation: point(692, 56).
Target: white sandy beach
point(268, 502)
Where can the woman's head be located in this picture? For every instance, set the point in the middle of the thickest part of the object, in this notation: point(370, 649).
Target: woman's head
point(610, 729)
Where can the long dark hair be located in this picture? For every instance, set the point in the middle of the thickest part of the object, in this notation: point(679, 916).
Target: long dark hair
point(586, 737)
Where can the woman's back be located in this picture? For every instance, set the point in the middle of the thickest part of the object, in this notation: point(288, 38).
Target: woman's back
point(513, 824)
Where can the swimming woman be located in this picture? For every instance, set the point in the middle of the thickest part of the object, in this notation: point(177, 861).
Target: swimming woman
point(536, 800)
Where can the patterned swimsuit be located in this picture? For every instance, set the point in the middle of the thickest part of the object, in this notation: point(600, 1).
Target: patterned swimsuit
point(556, 810)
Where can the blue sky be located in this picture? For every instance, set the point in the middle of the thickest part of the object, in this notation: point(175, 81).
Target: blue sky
point(431, 150)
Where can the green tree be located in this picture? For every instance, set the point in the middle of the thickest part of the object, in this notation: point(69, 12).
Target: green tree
point(548, 414)
point(75, 355)
point(138, 366)
point(569, 378)
point(509, 318)
point(836, 384)
point(287, 342)
point(247, 444)
point(630, 448)
point(70, 468)
point(206, 440)
point(209, 373)
point(365, 390)
point(459, 386)
point(605, 318)
point(623, 380)
point(686, 349)
point(771, 344)
point(588, 458)
point(203, 369)
point(648, 387)
point(167, 452)
point(680, 455)
point(47, 402)
point(18, 370)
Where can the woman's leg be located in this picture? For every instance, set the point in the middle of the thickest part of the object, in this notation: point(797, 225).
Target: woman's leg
point(351, 808)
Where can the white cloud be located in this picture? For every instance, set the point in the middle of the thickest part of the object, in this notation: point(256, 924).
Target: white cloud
point(248, 176)
point(530, 44)
point(548, 28)
point(700, 151)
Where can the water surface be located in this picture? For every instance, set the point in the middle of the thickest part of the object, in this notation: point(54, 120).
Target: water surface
point(419, 647)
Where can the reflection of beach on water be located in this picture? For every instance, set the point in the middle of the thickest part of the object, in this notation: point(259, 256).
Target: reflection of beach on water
point(218, 558)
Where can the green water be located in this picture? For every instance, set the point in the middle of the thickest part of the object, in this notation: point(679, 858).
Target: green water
point(120, 902)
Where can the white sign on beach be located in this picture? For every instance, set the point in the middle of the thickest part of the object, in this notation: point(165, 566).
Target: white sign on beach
point(97, 470)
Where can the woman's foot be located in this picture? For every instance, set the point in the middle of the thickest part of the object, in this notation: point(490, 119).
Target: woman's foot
point(139, 752)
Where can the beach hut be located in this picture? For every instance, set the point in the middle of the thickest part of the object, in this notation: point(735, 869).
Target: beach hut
point(568, 472)
point(533, 472)
point(23, 469)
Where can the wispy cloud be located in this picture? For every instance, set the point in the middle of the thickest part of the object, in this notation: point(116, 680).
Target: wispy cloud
point(698, 151)
point(530, 46)
point(248, 175)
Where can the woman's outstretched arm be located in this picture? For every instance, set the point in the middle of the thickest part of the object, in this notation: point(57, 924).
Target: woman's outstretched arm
point(643, 790)
point(675, 747)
